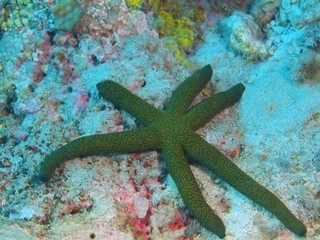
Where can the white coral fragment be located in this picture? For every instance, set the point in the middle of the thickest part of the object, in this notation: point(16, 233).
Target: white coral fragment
point(244, 35)
point(141, 205)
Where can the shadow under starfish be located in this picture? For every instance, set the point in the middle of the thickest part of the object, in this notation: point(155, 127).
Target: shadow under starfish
point(172, 132)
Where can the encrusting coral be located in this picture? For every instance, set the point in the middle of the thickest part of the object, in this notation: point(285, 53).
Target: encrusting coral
point(172, 131)
point(67, 14)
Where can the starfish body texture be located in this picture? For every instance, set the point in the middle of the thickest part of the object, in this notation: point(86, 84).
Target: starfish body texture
point(172, 132)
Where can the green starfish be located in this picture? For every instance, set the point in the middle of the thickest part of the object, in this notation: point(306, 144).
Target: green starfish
point(172, 131)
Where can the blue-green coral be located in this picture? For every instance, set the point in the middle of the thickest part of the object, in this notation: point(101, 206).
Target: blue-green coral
point(172, 131)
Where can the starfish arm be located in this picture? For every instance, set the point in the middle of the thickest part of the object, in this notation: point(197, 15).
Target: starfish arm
point(129, 102)
point(207, 155)
point(121, 142)
point(182, 175)
point(203, 112)
point(184, 95)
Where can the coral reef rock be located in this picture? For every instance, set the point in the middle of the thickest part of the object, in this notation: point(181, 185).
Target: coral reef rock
point(244, 35)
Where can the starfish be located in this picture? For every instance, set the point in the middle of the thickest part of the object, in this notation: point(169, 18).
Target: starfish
point(172, 132)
